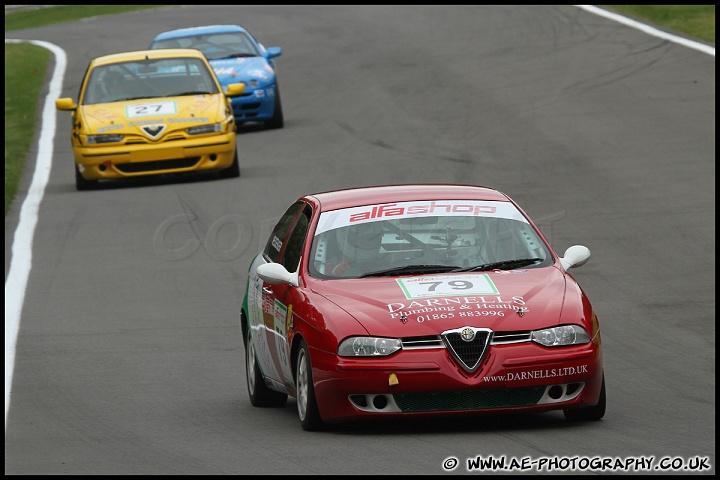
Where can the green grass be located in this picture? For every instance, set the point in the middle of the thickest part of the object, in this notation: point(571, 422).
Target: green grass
point(25, 64)
point(25, 68)
point(39, 17)
point(697, 21)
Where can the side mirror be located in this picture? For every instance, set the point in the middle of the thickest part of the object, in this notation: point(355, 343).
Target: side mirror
point(65, 104)
point(575, 256)
point(273, 52)
point(274, 274)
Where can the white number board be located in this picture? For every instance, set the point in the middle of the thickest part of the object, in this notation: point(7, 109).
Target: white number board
point(440, 286)
point(148, 109)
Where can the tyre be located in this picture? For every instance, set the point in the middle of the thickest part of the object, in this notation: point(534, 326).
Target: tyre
point(277, 120)
point(306, 402)
point(233, 171)
point(260, 394)
point(588, 414)
point(82, 184)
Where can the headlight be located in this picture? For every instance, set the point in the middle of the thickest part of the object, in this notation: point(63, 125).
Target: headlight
point(245, 84)
point(561, 336)
point(105, 138)
point(368, 347)
point(215, 127)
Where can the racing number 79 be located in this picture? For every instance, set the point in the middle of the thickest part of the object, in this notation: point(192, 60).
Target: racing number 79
point(453, 284)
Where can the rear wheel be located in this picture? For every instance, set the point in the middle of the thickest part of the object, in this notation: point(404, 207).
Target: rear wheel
point(277, 120)
point(586, 414)
point(260, 394)
point(81, 183)
point(234, 170)
point(306, 402)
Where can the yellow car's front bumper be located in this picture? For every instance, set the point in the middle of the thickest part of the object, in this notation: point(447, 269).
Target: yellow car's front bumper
point(211, 154)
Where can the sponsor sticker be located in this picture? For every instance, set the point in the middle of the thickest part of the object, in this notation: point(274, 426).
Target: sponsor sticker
point(393, 211)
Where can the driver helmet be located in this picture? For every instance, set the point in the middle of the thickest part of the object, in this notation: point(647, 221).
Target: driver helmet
point(360, 241)
point(113, 82)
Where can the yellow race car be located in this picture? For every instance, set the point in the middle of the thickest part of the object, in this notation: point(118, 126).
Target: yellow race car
point(151, 112)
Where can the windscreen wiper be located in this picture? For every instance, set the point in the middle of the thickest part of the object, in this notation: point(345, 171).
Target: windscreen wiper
point(503, 265)
point(410, 270)
point(190, 92)
point(139, 97)
point(236, 55)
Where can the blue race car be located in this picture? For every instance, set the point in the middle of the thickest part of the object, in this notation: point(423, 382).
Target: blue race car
point(237, 57)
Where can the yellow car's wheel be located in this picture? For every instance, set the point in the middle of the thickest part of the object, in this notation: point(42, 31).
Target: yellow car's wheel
point(233, 171)
point(81, 183)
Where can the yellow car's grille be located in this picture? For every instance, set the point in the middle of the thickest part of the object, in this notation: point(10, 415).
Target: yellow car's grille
point(137, 140)
point(157, 165)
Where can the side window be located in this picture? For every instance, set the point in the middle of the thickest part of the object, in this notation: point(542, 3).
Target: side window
point(293, 248)
point(279, 233)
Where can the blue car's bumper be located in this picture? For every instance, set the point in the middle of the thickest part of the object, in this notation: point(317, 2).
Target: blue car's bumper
point(255, 106)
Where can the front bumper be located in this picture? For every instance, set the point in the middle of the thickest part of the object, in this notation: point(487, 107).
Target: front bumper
point(254, 106)
point(213, 154)
point(512, 378)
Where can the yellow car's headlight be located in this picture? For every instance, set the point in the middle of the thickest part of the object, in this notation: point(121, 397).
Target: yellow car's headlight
point(104, 138)
point(212, 128)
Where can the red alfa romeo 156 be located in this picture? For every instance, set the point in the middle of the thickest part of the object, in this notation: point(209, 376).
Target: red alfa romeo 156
point(418, 300)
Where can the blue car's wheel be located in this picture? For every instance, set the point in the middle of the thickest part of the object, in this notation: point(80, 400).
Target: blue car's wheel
point(277, 120)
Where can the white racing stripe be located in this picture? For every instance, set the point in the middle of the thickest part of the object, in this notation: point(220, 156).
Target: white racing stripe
point(21, 261)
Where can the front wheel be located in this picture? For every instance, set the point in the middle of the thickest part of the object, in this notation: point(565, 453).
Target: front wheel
point(260, 394)
point(81, 183)
point(588, 414)
point(306, 402)
point(277, 120)
point(234, 170)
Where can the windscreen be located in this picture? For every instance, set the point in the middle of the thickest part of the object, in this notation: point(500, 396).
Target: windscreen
point(456, 234)
point(148, 79)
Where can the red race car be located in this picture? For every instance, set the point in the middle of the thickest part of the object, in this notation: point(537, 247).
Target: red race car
point(418, 300)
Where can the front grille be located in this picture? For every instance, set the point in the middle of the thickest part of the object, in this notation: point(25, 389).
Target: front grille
point(138, 140)
point(469, 355)
point(469, 352)
point(157, 165)
point(430, 341)
point(500, 338)
point(469, 400)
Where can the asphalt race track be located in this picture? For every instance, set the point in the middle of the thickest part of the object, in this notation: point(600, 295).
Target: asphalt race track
point(129, 357)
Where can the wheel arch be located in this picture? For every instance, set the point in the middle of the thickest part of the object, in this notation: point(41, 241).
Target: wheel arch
point(294, 347)
point(244, 326)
